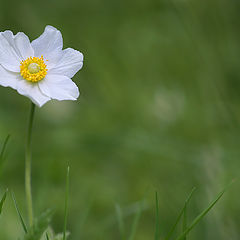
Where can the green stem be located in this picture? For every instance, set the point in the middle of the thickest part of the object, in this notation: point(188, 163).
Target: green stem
point(28, 166)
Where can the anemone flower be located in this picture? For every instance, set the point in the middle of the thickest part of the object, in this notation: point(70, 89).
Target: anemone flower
point(40, 70)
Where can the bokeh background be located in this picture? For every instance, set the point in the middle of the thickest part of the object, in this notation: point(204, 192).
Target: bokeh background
point(158, 111)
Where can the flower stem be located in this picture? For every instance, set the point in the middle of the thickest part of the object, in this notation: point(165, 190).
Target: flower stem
point(28, 166)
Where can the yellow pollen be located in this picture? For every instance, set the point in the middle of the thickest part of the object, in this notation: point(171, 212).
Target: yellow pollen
point(33, 69)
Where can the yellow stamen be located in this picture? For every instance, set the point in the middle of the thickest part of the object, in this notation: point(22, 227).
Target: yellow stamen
point(33, 69)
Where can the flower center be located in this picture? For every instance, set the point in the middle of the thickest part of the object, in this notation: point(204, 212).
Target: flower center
point(33, 69)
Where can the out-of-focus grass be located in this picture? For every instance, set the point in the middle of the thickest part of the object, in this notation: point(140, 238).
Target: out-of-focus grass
point(159, 109)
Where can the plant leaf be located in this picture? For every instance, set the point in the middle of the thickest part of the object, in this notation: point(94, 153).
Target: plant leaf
point(180, 214)
point(47, 236)
point(3, 150)
point(3, 200)
point(202, 214)
point(39, 226)
point(185, 212)
point(4, 146)
point(19, 214)
point(184, 220)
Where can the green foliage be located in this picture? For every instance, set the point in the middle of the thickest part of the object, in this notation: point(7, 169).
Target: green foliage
point(183, 214)
point(50, 235)
point(40, 224)
point(19, 213)
point(200, 216)
point(2, 152)
point(39, 227)
point(3, 200)
point(180, 215)
point(136, 211)
point(184, 225)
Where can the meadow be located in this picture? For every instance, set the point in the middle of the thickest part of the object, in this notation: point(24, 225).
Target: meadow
point(158, 112)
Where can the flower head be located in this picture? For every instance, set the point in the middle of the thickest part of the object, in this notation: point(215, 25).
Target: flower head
point(40, 70)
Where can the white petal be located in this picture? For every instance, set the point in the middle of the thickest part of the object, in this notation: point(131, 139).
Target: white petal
point(13, 49)
point(49, 45)
point(9, 58)
point(70, 63)
point(59, 87)
point(23, 45)
point(32, 91)
point(9, 79)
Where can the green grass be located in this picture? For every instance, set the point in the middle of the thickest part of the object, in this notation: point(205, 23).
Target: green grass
point(3, 200)
point(22, 222)
point(41, 224)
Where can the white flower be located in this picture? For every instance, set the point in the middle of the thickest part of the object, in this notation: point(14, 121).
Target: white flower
point(39, 70)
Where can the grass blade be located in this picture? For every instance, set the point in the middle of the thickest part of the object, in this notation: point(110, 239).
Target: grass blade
point(19, 214)
point(135, 222)
point(120, 221)
point(3, 149)
point(157, 219)
point(47, 236)
point(180, 214)
point(202, 214)
point(3, 200)
point(4, 146)
point(66, 205)
point(185, 213)
point(184, 220)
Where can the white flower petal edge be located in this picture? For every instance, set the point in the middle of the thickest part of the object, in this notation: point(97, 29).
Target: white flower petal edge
point(32, 91)
point(69, 64)
point(8, 79)
point(59, 87)
point(13, 49)
point(49, 45)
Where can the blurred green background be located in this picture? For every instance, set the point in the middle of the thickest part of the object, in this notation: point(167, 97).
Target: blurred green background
point(158, 111)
